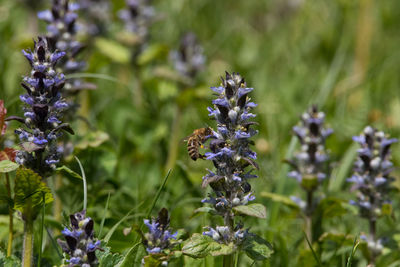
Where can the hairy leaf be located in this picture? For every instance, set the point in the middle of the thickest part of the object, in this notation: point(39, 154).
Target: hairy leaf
point(200, 246)
point(9, 261)
point(29, 186)
point(107, 258)
point(255, 210)
point(257, 248)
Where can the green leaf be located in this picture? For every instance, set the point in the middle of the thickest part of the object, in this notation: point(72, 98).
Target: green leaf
point(353, 251)
point(8, 166)
point(257, 248)
point(69, 172)
point(113, 50)
point(9, 261)
point(132, 256)
point(255, 210)
point(338, 238)
point(155, 260)
point(387, 209)
point(280, 199)
point(331, 207)
point(151, 53)
point(108, 259)
point(200, 246)
point(29, 188)
point(309, 183)
point(92, 139)
point(202, 210)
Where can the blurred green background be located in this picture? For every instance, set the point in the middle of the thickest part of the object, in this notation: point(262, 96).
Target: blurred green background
point(341, 55)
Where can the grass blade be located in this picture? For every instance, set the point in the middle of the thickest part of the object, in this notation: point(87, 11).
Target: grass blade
point(312, 250)
point(84, 184)
point(340, 174)
point(158, 194)
point(104, 215)
point(54, 243)
point(353, 251)
point(41, 231)
point(112, 230)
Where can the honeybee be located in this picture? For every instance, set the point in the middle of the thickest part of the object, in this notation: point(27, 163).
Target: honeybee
point(196, 140)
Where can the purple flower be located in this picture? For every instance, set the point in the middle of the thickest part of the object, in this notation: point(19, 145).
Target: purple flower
point(159, 236)
point(80, 245)
point(231, 155)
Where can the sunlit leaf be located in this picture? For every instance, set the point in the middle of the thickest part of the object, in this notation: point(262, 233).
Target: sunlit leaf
point(9, 261)
point(29, 190)
point(257, 248)
point(8, 166)
point(200, 246)
point(113, 50)
point(255, 210)
point(151, 53)
point(107, 258)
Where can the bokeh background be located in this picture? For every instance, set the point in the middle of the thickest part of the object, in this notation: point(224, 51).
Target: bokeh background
point(341, 55)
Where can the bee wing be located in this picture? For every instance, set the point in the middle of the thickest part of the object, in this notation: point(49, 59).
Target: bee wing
point(186, 138)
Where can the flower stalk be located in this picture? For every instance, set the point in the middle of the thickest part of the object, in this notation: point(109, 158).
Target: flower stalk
point(233, 159)
point(372, 180)
point(309, 164)
point(10, 219)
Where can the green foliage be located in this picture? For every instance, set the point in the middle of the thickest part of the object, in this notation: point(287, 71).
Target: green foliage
point(113, 50)
point(257, 248)
point(294, 53)
point(8, 166)
point(107, 258)
point(12, 261)
point(70, 173)
point(200, 246)
point(255, 210)
point(30, 191)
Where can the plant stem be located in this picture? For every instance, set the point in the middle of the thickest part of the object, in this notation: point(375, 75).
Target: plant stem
point(11, 218)
point(309, 212)
point(228, 261)
point(57, 200)
point(27, 254)
point(41, 232)
point(372, 232)
point(228, 221)
point(174, 140)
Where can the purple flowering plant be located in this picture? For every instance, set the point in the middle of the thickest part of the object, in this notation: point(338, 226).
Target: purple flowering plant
point(234, 163)
point(80, 244)
point(372, 181)
point(43, 109)
point(309, 164)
